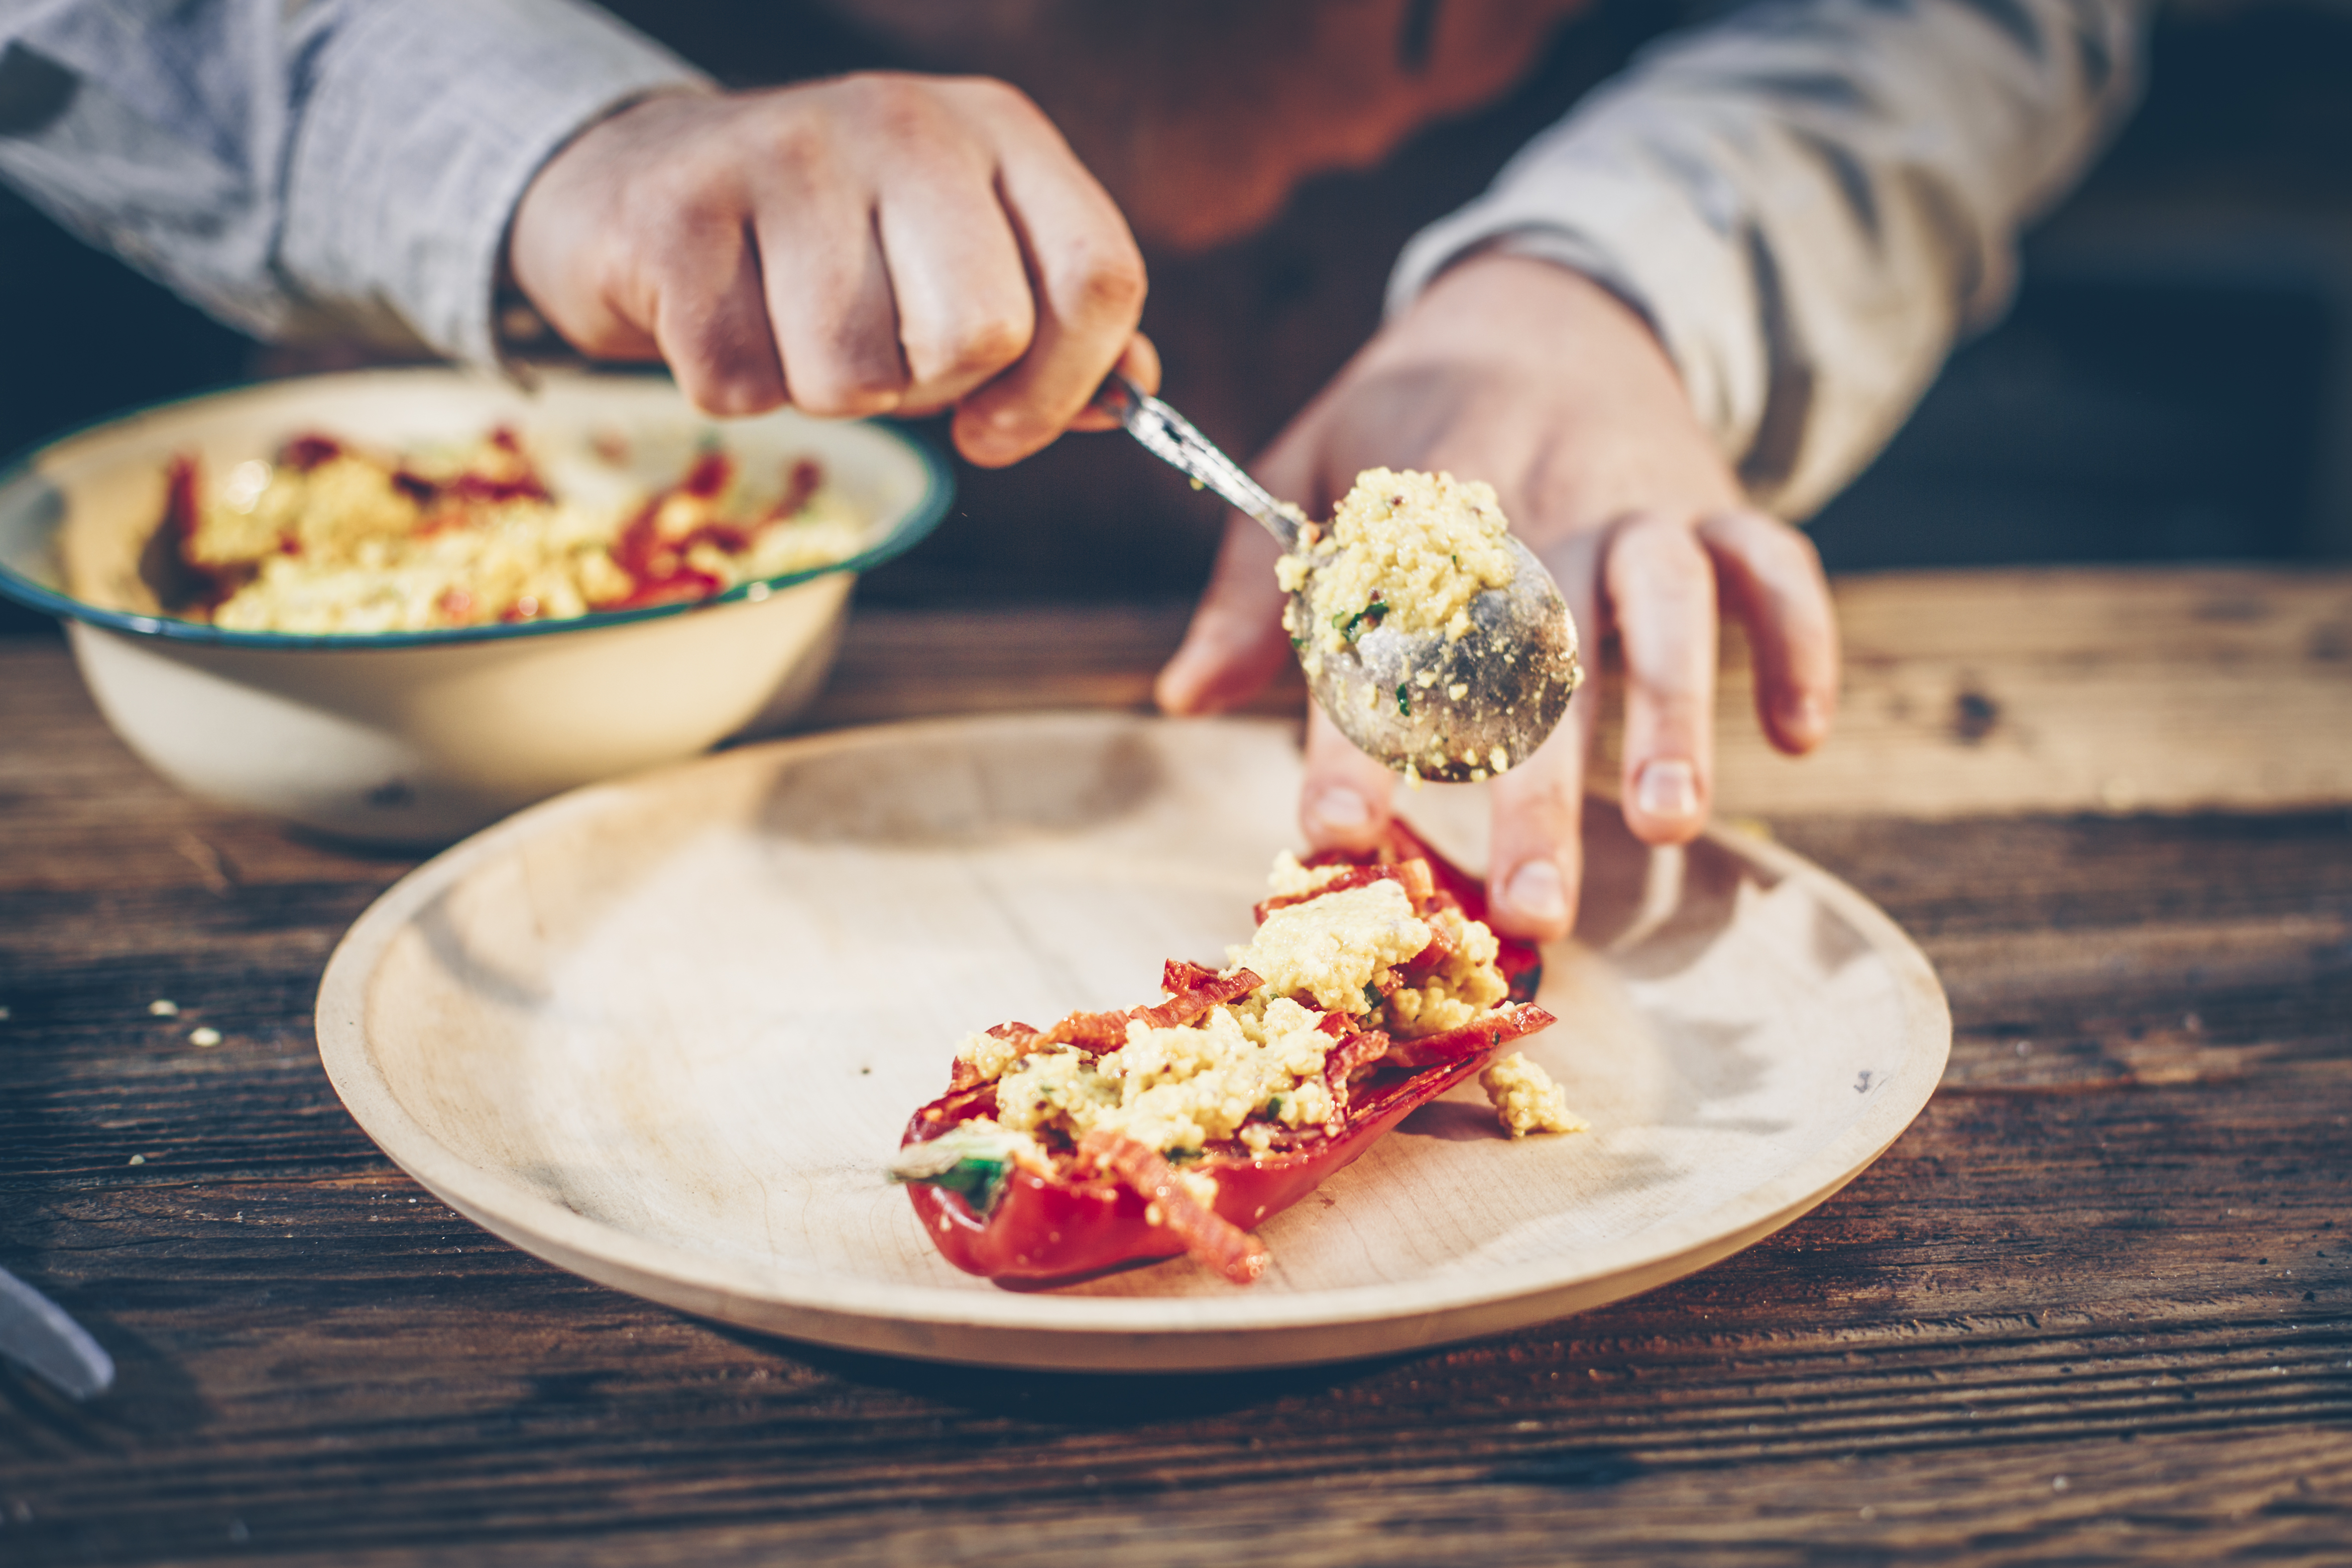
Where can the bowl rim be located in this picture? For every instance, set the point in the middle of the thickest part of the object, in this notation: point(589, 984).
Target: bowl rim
point(915, 525)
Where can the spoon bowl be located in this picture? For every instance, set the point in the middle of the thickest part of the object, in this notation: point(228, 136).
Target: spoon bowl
point(1460, 710)
point(1454, 710)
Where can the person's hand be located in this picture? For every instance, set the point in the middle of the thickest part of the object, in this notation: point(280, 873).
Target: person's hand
point(1535, 379)
point(869, 245)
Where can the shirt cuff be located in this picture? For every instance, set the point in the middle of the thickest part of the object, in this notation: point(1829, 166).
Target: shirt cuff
point(421, 125)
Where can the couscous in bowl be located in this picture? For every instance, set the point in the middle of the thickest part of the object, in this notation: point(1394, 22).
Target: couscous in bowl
point(417, 737)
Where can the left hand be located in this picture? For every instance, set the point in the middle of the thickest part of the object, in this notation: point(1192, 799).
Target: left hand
point(1534, 378)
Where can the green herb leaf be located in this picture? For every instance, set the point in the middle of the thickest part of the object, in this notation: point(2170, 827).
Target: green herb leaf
point(1404, 703)
point(978, 1181)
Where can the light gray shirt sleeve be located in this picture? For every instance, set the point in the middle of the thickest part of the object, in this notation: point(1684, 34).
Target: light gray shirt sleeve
point(299, 166)
point(1810, 200)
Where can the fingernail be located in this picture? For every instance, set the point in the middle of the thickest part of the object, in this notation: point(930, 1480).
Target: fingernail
point(1669, 788)
point(1341, 810)
point(1538, 893)
point(1177, 689)
point(1803, 718)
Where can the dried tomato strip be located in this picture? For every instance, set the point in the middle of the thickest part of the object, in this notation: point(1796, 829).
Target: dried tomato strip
point(1196, 990)
point(186, 582)
point(303, 453)
point(1503, 1024)
point(1191, 996)
point(950, 1109)
point(1353, 876)
point(1432, 957)
point(801, 481)
point(1210, 1237)
point(1341, 1065)
point(964, 1075)
point(1090, 1032)
point(1176, 976)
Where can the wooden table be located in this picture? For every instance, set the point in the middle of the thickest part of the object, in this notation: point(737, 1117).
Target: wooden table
point(2095, 1306)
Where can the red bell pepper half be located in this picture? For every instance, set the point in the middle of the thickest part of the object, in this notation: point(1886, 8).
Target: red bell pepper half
point(1111, 1202)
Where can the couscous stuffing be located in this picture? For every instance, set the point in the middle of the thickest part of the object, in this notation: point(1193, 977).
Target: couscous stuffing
point(1405, 550)
point(332, 538)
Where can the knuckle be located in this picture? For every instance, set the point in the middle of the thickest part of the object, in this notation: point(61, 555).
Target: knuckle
point(728, 390)
point(724, 367)
point(803, 156)
point(1789, 565)
point(849, 372)
point(995, 96)
point(1100, 278)
point(847, 391)
point(974, 349)
point(1653, 554)
point(1785, 558)
point(904, 112)
point(1804, 555)
point(692, 196)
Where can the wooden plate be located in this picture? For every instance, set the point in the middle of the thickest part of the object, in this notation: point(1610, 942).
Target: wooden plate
point(666, 1032)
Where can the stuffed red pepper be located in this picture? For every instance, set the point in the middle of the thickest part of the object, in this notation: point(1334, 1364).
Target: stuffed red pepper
point(1372, 986)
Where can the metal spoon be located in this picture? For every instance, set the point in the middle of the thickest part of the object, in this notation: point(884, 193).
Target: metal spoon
point(1393, 692)
point(36, 1334)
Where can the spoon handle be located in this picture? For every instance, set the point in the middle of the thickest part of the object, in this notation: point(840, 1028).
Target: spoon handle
point(35, 1333)
point(1169, 437)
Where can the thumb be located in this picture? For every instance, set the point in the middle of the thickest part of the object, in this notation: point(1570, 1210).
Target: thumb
point(1235, 642)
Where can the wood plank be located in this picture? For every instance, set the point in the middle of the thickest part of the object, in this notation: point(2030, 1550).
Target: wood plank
point(2275, 1497)
point(2109, 690)
point(1966, 694)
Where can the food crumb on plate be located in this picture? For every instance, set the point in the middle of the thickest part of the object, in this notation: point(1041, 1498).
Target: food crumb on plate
point(1526, 1099)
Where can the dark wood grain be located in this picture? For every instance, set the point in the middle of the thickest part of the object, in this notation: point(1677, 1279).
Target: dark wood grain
point(2095, 1307)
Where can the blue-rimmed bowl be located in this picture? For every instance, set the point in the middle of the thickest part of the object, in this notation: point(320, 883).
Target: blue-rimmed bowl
point(419, 738)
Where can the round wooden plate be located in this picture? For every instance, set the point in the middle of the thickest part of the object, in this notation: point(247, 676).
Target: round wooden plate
point(666, 1032)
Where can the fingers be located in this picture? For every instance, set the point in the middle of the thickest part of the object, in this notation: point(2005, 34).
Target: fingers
point(1140, 364)
point(1771, 579)
point(866, 243)
point(1235, 642)
point(1661, 595)
point(1086, 278)
point(829, 303)
point(1536, 861)
point(1344, 803)
point(1659, 577)
point(710, 322)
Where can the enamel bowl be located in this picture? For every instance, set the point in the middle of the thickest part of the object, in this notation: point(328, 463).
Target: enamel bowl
point(419, 738)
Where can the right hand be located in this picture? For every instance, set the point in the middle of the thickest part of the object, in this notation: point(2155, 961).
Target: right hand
point(874, 244)
point(1529, 375)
